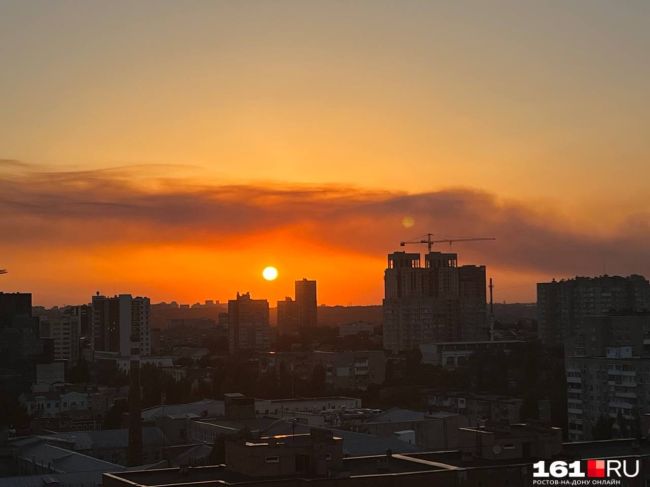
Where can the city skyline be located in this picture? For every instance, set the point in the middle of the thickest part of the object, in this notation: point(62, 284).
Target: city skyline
point(335, 243)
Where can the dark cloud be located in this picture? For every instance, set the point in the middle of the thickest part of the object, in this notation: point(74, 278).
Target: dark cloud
point(85, 208)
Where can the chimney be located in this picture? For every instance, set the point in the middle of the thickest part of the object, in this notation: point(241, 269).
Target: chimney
point(135, 415)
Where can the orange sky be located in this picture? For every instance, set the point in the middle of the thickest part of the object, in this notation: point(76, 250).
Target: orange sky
point(122, 230)
point(174, 149)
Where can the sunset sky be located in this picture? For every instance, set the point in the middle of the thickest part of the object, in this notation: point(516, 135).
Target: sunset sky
point(175, 148)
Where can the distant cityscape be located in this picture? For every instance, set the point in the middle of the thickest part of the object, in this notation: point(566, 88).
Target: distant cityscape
point(439, 383)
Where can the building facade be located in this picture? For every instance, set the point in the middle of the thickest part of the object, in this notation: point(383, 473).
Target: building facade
point(120, 324)
point(287, 316)
point(306, 303)
point(248, 324)
point(563, 306)
point(438, 302)
point(608, 377)
point(50, 404)
point(64, 330)
point(20, 344)
point(301, 313)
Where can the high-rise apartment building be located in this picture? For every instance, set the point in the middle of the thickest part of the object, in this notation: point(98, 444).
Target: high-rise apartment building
point(563, 306)
point(471, 290)
point(20, 344)
point(248, 324)
point(608, 377)
point(64, 330)
point(13, 305)
point(287, 316)
point(306, 303)
point(440, 302)
point(301, 312)
point(84, 314)
point(120, 324)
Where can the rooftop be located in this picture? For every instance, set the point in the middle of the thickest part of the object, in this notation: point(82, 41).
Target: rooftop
point(115, 438)
point(203, 408)
point(397, 415)
point(62, 460)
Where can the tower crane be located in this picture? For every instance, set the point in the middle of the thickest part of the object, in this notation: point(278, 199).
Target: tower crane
point(430, 241)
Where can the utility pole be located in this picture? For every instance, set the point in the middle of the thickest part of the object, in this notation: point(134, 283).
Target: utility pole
point(491, 318)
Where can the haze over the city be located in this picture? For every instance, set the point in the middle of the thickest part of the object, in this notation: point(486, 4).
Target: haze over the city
point(176, 149)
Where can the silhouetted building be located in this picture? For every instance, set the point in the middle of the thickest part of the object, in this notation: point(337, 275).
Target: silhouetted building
point(562, 306)
point(301, 312)
point(439, 302)
point(121, 325)
point(12, 305)
point(248, 324)
point(287, 316)
point(20, 344)
point(306, 303)
point(85, 314)
point(471, 290)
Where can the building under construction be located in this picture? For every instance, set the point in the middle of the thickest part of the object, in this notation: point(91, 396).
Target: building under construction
point(437, 302)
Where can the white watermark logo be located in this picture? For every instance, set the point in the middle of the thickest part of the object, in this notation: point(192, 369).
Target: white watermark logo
point(584, 472)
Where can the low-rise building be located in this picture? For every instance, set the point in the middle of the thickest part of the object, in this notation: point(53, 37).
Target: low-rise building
point(124, 363)
point(49, 377)
point(204, 408)
point(454, 354)
point(283, 407)
point(111, 445)
point(51, 404)
point(429, 431)
point(39, 462)
point(356, 328)
point(316, 454)
point(479, 408)
point(511, 442)
point(487, 458)
point(345, 370)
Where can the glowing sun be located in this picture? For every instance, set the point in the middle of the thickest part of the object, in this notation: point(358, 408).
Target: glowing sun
point(270, 273)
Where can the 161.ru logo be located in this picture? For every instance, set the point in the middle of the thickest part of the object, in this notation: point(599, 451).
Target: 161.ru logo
point(596, 469)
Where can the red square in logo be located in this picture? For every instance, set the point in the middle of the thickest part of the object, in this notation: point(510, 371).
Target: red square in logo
point(596, 468)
